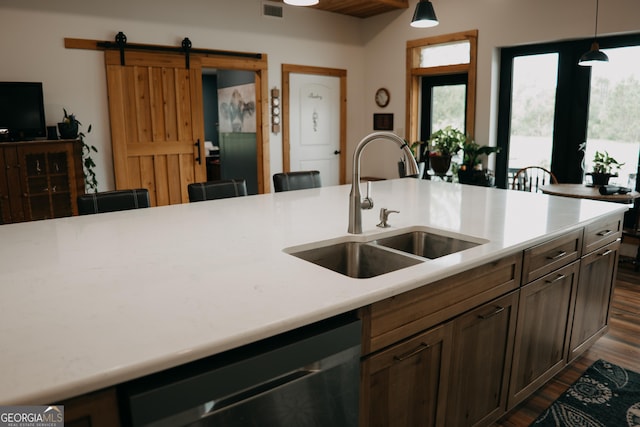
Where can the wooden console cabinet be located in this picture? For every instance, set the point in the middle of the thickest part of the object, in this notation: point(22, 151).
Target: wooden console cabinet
point(40, 180)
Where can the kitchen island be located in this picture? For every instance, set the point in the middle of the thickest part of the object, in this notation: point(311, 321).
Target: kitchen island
point(90, 302)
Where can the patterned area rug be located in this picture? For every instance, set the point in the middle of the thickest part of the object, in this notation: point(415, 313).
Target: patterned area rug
point(605, 395)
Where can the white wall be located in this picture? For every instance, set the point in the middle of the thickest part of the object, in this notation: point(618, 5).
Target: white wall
point(372, 51)
point(32, 36)
point(499, 23)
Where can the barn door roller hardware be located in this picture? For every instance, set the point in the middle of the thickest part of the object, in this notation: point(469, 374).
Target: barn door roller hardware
point(186, 48)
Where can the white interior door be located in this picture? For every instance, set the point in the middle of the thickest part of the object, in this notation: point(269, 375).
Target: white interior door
point(314, 125)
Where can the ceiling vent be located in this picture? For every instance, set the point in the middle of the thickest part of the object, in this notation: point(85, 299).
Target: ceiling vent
point(273, 10)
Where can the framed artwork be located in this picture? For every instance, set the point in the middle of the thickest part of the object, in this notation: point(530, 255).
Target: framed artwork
point(383, 121)
point(236, 108)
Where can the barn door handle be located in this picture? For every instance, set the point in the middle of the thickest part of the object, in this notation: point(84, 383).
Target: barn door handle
point(199, 158)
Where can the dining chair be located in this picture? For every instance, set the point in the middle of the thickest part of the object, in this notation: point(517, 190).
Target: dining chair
point(631, 236)
point(531, 178)
point(112, 201)
point(219, 189)
point(287, 181)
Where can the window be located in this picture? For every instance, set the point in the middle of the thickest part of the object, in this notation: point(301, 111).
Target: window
point(458, 52)
point(532, 109)
point(441, 89)
point(614, 113)
point(555, 113)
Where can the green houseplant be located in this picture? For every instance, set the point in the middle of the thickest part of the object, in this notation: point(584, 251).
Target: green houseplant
point(443, 144)
point(604, 167)
point(470, 171)
point(70, 129)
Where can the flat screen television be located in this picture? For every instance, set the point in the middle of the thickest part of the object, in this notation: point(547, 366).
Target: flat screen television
point(21, 111)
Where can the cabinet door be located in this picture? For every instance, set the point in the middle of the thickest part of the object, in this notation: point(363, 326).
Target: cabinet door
point(591, 312)
point(99, 409)
point(542, 333)
point(406, 385)
point(47, 174)
point(483, 347)
point(12, 195)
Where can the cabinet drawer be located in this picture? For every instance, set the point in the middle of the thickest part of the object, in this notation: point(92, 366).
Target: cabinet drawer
point(548, 256)
point(601, 233)
point(396, 318)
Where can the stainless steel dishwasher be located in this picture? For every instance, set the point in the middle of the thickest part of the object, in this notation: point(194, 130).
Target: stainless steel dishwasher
point(306, 377)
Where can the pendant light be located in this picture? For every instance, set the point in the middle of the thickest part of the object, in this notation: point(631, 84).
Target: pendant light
point(301, 2)
point(424, 15)
point(594, 56)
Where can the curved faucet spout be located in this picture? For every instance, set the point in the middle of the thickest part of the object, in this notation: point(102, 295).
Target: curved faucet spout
point(355, 203)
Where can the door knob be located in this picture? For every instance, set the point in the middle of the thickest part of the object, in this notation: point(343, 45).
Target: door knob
point(336, 152)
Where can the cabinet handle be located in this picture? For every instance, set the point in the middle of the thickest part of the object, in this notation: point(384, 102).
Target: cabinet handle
point(607, 252)
point(604, 233)
point(558, 256)
point(557, 279)
point(422, 347)
point(493, 313)
point(199, 158)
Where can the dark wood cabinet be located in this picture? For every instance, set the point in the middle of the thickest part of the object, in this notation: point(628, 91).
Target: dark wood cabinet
point(98, 409)
point(408, 344)
point(542, 335)
point(406, 384)
point(40, 180)
point(482, 353)
point(592, 297)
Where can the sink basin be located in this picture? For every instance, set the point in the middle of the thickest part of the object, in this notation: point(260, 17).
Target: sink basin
point(357, 259)
point(425, 244)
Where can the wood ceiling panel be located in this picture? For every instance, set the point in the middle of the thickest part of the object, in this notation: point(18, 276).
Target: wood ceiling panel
point(361, 8)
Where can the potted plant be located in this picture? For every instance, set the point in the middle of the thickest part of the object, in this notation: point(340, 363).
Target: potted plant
point(444, 144)
point(471, 171)
point(604, 167)
point(70, 129)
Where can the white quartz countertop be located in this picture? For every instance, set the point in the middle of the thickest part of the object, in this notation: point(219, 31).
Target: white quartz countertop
point(89, 302)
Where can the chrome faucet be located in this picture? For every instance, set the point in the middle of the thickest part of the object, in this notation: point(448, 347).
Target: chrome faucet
point(355, 203)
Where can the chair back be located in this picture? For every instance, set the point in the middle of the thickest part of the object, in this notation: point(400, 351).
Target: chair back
point(111, 201)
point(300, 180)
point(631, 235)
point(220, 189)
point(531, 178)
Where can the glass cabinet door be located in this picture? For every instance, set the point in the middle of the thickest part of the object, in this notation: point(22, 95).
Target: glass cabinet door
point(48, 186)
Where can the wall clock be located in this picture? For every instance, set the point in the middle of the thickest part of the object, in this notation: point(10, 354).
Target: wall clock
point(382, 97)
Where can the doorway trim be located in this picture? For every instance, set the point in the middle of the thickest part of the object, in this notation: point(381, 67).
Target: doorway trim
point(215, 59)
point(287, 70)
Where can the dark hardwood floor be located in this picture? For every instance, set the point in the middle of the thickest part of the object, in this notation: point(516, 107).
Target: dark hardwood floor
point(621, 346)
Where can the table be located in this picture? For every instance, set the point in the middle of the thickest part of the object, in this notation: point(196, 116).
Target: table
point(582, 191)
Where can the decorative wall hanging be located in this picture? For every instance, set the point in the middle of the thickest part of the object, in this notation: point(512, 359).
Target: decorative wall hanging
point(383, 121)
point(236, 106)
point(275, 110)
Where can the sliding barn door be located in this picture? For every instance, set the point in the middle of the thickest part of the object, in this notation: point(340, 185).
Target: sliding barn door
point(157, 131)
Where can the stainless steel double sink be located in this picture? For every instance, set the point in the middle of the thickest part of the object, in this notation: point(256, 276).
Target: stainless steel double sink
point(364, 259)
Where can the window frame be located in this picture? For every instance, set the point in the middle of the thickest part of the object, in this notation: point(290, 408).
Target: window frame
point(415, 74)
point(571, 113)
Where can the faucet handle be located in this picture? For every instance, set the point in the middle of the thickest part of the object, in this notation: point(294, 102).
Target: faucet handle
point(367, 202)
point(384, 217)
